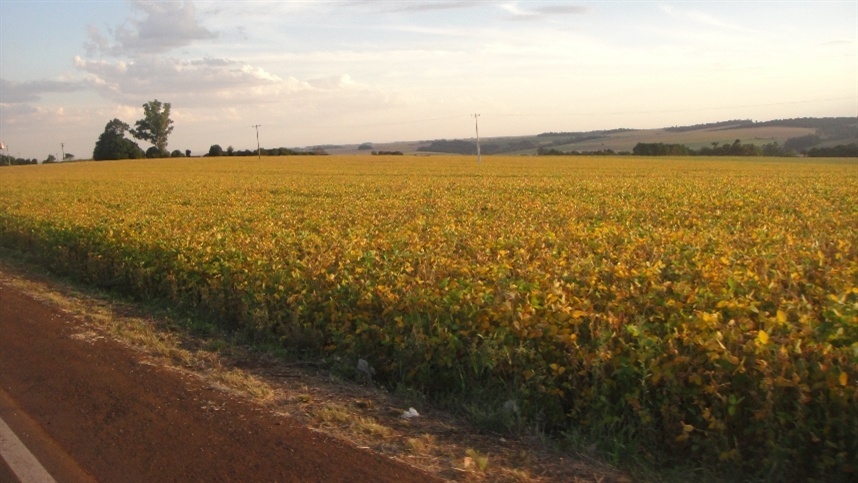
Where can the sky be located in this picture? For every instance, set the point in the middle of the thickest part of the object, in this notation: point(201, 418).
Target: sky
point(346, 72)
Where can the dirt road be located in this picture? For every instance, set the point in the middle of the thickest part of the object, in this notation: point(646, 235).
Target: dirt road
point(93, 409)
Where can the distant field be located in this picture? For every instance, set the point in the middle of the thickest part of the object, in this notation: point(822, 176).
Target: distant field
point(701, 310)
point(693, 139)
point(625, 141)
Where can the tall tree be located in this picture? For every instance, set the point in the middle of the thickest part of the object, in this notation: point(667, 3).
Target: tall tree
point(155, 126)
point(112, 143)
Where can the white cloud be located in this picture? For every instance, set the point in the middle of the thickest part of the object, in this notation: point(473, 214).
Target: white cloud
point(541, 12)
point(160, 27)
point(702, 18)
point(412, 6)
point(149, 76)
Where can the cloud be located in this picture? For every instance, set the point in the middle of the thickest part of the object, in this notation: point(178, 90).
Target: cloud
point(837, 43)
point(703, 18)
point(541, 12)
point(14, 111)
point(215, 83)
point(161, 27)
point(193, 80)
point(20, 92)
point(415, 6)
point(434, 6)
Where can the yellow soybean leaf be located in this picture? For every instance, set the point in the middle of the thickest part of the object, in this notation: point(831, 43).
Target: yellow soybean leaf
point(762, 337)
point(782, 317)
point(843, 379)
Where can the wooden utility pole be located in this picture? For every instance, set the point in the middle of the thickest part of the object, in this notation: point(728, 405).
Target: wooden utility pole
point(258, 151)
point(477, 125)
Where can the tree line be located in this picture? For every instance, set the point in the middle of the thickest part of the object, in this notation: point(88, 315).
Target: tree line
point(6, 160)
point(13, 161)
point(545, 151)
point(792, 147)
point(155, 127)
point(716, 149)
point(216, 150)
point(461, 146)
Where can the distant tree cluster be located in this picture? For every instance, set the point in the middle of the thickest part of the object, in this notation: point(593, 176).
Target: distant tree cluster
point(461, 146)
point(801, 144)
point(830, 126)
point(733, 124)
point(155, 127)
point(216, 150)
point(589, 134)
point(735, 149)
point(112, 143)
point(660, 149)
point(387, 153)
point(839, 151)
point(739, 149)
point(544, 151)
point(13, 161)
point(455, 146)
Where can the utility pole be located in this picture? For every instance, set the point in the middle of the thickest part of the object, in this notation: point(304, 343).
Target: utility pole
point(477, 125)
point(258, 151)
point(63, 149)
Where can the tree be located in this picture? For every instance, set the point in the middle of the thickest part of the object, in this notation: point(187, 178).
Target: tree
point(155, 126)
point(112, 143)
point(188, 153)
point(50, 159)
point(177, 154)
point(68, 157)
point(215, 150)
point(802, 143)
point(154, 152)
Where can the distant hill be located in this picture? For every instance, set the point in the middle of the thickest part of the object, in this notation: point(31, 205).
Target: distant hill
point(798, 134)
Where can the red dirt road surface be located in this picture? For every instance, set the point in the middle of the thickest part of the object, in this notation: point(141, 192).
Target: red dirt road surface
point(92, 410)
